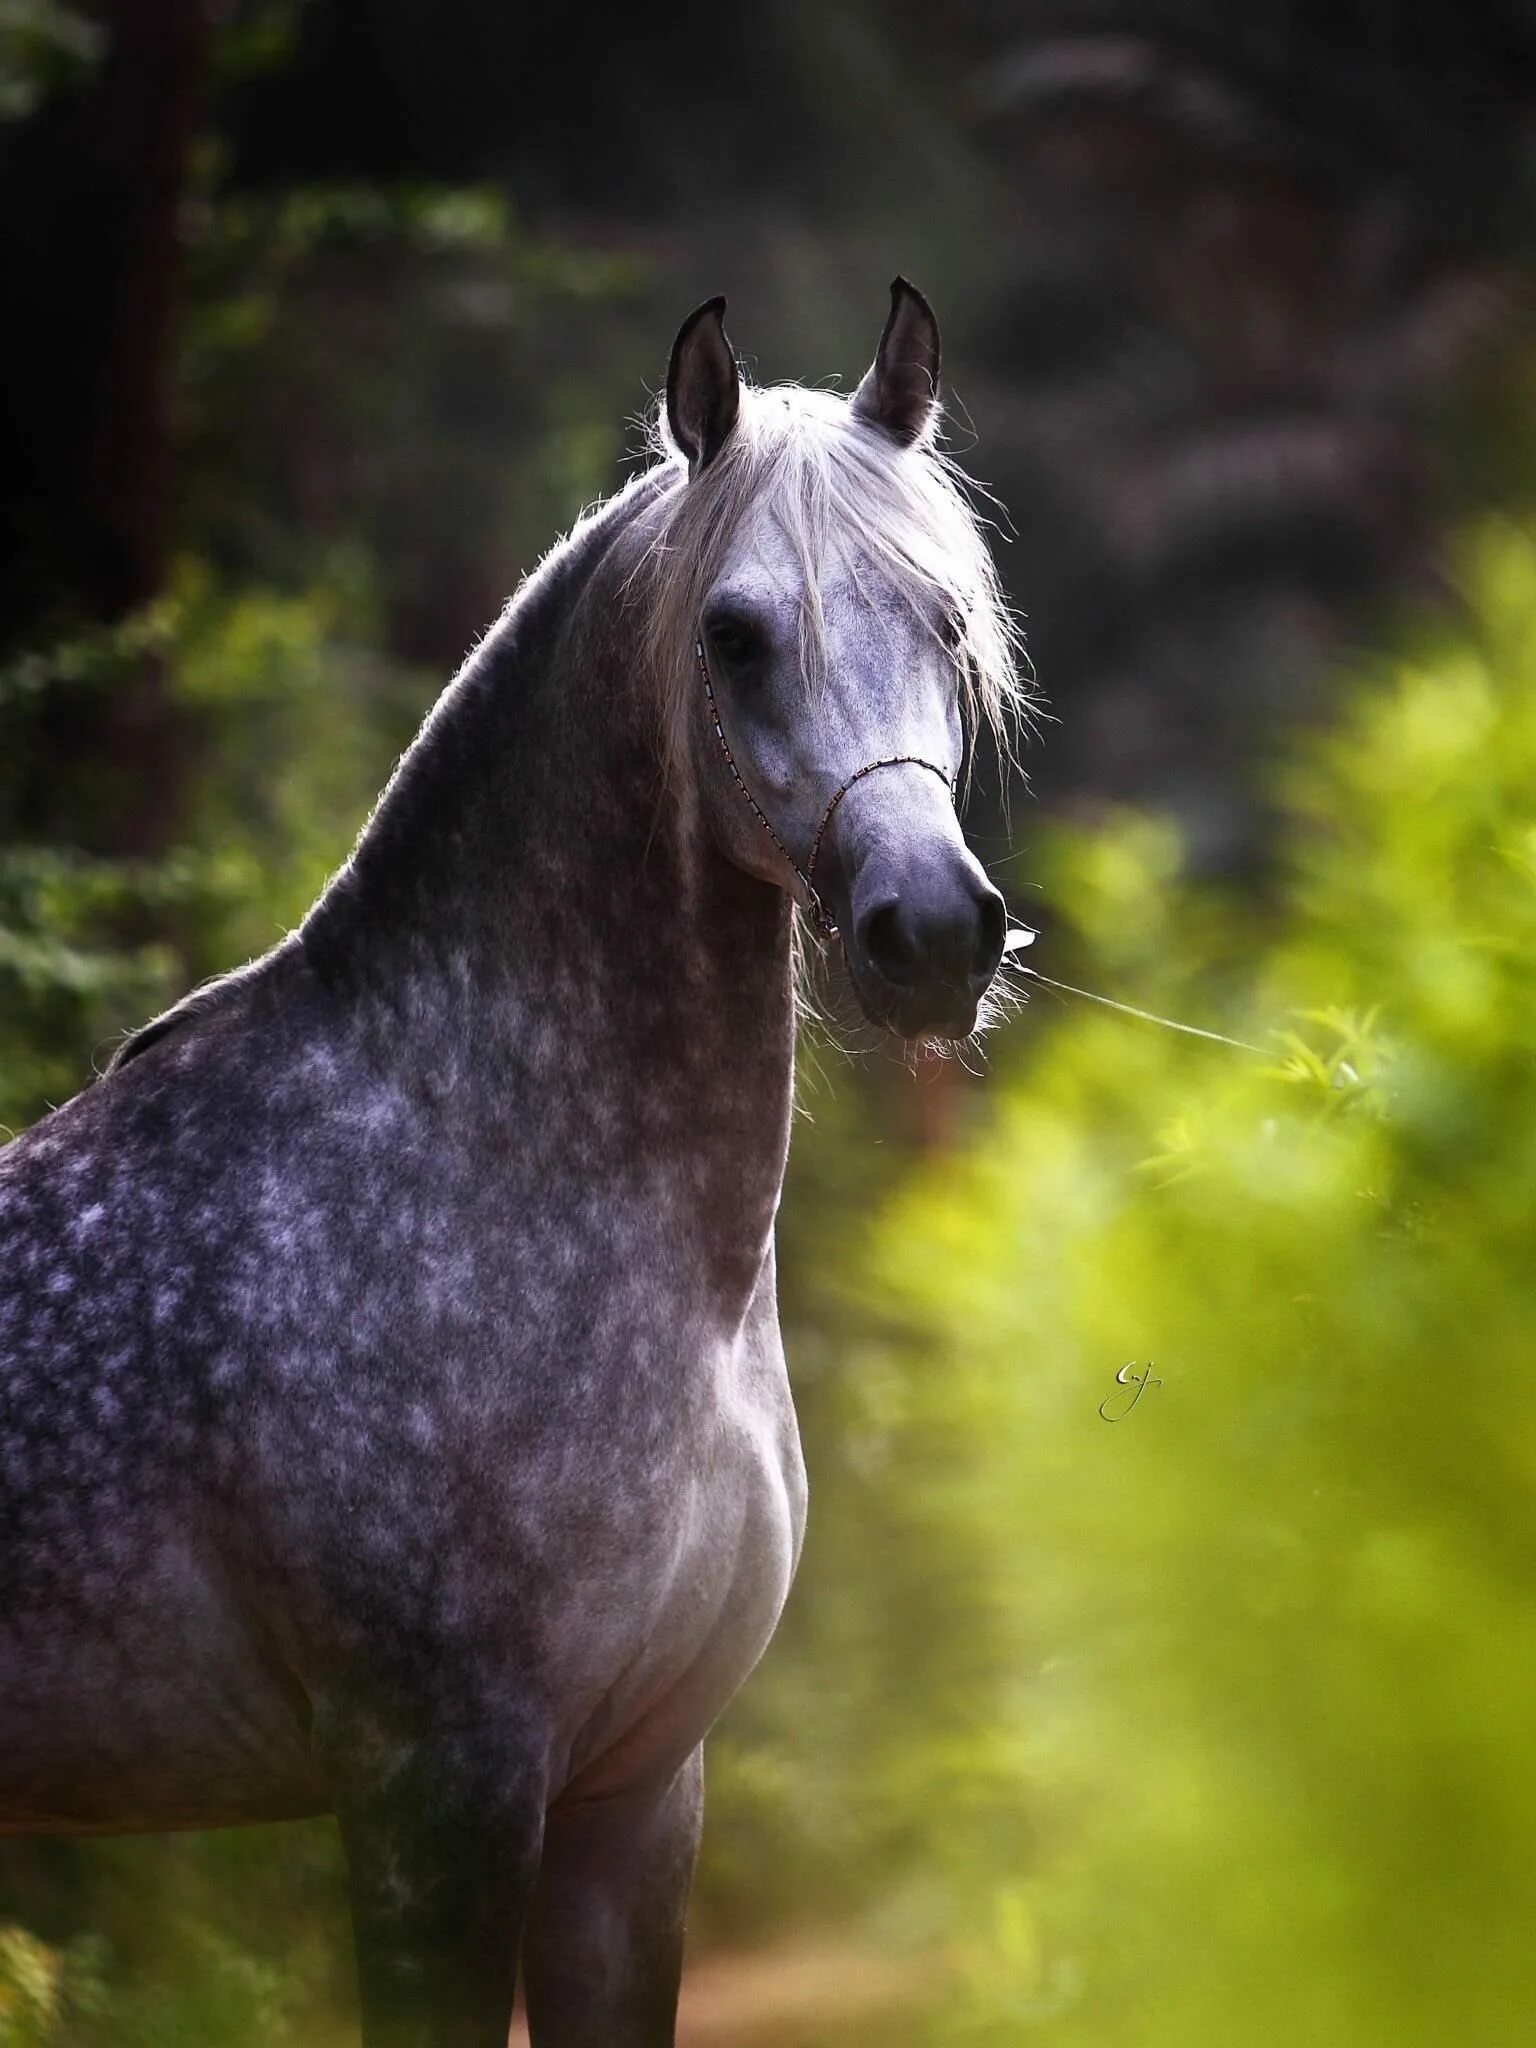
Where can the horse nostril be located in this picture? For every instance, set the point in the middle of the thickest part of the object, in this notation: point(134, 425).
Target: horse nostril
point(890, 945)
point(992, 930)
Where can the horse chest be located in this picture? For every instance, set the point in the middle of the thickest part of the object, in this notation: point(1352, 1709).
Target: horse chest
point(683, 1565)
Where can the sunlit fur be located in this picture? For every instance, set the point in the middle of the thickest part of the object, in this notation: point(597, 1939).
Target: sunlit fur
point(852, 503)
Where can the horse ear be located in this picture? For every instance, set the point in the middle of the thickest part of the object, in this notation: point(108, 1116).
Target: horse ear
point(900, 390)
point(703, 385)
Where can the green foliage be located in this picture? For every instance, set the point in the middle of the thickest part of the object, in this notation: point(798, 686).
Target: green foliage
point(1213, 1722)
point(44, 45)
point(43, 1990)
point(433, 382)
point(90, 946)
point(31, 1990)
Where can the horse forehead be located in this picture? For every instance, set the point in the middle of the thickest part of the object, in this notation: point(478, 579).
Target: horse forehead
point(869, 615)
point(859, 600)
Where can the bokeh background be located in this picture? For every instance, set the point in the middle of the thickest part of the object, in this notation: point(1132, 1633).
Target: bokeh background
point(1216, 1722)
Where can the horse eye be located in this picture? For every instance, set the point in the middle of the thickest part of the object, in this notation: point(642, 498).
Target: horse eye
point(735, 641)
point(952, 631)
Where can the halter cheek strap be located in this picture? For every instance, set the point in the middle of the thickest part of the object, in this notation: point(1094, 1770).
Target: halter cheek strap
point(820, 916)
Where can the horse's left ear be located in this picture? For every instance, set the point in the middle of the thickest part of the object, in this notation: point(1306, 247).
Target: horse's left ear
point(900, 391)
point(703, 386)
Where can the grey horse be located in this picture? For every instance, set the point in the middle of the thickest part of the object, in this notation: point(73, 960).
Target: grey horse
point(393, 1415)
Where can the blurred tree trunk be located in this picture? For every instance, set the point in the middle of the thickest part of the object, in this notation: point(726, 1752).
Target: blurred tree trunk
point(90, 195)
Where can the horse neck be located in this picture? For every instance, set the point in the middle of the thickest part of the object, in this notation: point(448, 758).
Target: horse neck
point(537, 933)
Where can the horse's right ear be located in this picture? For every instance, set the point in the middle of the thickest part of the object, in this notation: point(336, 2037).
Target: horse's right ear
point(703, 386)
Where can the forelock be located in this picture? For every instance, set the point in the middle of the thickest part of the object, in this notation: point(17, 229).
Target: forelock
point(848, 502)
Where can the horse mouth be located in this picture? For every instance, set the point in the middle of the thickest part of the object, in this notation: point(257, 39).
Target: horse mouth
point(936, 1013)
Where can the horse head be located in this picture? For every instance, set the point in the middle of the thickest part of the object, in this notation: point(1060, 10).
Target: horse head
point(832, 623)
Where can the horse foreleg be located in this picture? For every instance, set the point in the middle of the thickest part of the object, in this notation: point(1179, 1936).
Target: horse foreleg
point(604, 1945)
point(442, 1835)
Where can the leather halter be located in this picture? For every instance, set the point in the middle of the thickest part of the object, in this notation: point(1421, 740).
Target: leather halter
point(819, 914)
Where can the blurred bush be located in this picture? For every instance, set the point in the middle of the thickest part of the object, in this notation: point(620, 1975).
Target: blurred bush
point(92, 943)
point(30, 1997)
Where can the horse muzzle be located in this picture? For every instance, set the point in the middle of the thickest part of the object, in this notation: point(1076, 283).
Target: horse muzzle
point(924, 935)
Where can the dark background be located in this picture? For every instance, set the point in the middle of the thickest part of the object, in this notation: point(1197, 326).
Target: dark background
point(1225, 294)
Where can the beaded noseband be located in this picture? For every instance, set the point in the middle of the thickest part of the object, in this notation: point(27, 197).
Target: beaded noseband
point(821, 917)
